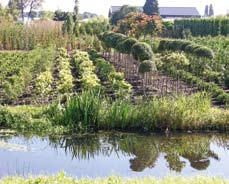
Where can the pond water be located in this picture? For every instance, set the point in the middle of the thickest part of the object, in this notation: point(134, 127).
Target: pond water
point(105, 154)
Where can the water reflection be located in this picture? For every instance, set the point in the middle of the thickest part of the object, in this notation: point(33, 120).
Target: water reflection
point(177, 150)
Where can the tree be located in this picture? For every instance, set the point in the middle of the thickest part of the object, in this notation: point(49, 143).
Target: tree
point(68, 26)
point(13, 9)
point(60, 15)
point(151, 7)
point(34, 5)
point(76, 11)
point(211, 11)
point(2, 11)
point(206, 12)
point(122, 13)
point(22, 5)
point(139, 24)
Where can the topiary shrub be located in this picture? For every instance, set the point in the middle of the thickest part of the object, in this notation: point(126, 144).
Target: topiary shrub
point(126, 45)
point(142, 51)
point(203, 52)
point(147, 66)
point(115, 39)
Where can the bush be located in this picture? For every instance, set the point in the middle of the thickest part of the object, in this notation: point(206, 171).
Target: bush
point(142, 51)
point(147, 66)
point(186, 46)
point(126, 45)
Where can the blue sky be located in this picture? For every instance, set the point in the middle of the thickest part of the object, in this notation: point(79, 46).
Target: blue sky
point(101, 7)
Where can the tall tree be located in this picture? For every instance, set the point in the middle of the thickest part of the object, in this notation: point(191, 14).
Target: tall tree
point(60, 15)
point(68, 26)
point(206, 12)
point(13, 10)
point(22, 5)
point(211, 11)
point(151, 7)
point(34, 5)
point(76, 11)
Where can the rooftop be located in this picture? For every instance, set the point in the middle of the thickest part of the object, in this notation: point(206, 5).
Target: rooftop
point(170, 11)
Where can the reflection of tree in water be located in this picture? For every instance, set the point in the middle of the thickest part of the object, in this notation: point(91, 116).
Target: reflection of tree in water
point(86, 147)
point(144, 149)
point(196, 149)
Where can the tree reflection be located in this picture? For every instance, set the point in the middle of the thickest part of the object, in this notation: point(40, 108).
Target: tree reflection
point(145, 150)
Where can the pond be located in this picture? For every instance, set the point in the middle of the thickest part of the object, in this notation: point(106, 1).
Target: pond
point(105, 154)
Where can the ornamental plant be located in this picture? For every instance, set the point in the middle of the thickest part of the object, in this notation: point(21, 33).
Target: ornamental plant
point(147, 66)
point(142, 51)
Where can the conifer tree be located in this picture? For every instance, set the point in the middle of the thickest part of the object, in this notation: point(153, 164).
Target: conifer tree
point(211, 11)
point(76, 11)
point(151, 7)
point(206, 12)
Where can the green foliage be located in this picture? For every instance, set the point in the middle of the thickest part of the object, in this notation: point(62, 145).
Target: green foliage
point(151, 7)
point(226, 76)
point(119, 85)
point(116, 81)
point(17, 70)
point(186, 46)
point(91, 112)
point(126, 45)
point(147, 66)
point(62, 178)
point(65, 82)
point(179, 60)
point(43, 83)
point(202, 27)
point(68, 25)
point(203, 52)
point(217, 92)
point(86, 68)
point(82, 112)
point(25, 118)
point(142, 51)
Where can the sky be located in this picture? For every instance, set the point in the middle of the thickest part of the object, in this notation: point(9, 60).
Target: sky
point(101, 7)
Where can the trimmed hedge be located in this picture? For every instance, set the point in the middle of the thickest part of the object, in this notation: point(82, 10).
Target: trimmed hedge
point(187, 47)
point(140, 50)
point(203, 27)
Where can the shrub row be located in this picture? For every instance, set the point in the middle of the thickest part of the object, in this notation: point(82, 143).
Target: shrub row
point(187, 47)
point(141, 51)
point(216, 92)
point(65, 83)
point(203, 27)
point(115, 80)
point(86, 70)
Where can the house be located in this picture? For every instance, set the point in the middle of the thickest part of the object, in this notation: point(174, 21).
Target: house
point(169, 12)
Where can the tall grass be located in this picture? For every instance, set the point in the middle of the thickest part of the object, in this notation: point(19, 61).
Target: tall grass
point(93, 112)
point(82, 112)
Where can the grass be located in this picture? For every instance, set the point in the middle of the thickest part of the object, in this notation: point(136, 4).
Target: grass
point(62, 178)
point(90, 112)
point(28, 119)
point(93, 112)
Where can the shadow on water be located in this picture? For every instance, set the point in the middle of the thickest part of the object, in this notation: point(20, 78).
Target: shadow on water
point(144, 151)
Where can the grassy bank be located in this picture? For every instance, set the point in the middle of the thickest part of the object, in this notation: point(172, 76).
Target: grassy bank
point(61, 178)
point(28, 119)
point(90, 112)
